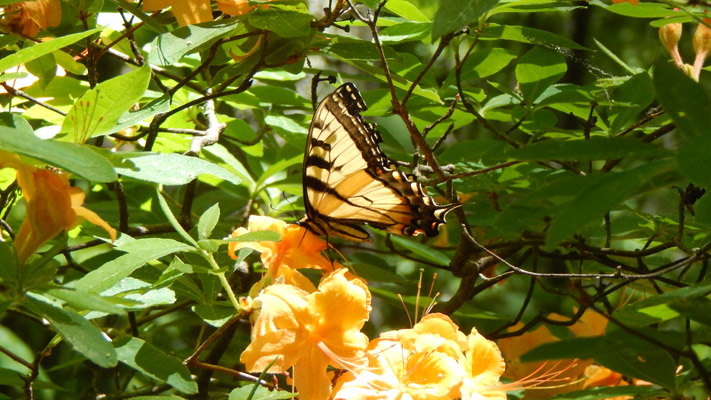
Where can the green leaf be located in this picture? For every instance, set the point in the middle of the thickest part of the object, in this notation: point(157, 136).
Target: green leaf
point(407, 10)
point(149, 360)
point(483, 63)
point(170, 47)
point(405, 32)
point(422, 251)
point(618, 351)
point(174, 221)
point(45, 68)
point(259, 393)
point(453, 15)
point(597, 197)
point(130, 118)
point(130, 7)
point(258, 236)
point(38, 50)
point(286, 21)
point(529, 6)
point(9, 271)
point(358, 50)
point(168, 168)
point(214, 314)
point(596, 148)
point(643, 10)
point(82, 300)
point(537, 70)
point(525, 34)
point(98, 110)
point(688, 105)
point(81, 334)
point(608, 392)
point(695, 308)
point(77, 159)
point(208, 220)
point(683, 99)
point(630, 99)
point(660, 308)
point(139, 252)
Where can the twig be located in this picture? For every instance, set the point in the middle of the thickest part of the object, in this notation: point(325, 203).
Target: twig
point(19, 93)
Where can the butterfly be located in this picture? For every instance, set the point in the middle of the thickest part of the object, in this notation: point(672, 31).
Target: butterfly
point(349, 182)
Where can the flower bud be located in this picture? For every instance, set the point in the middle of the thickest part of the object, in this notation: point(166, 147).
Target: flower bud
point(702, 47)
point(669, 35)
point(702, 40)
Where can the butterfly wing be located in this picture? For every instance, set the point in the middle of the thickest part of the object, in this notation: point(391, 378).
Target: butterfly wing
point(348, 181)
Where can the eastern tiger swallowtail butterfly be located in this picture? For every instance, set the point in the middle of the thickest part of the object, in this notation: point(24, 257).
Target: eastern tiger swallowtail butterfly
point(348, 181)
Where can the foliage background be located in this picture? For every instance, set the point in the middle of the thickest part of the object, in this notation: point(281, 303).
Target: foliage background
point(571, 144)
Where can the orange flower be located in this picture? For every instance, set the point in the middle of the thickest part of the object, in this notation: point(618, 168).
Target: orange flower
point(28, 17)
point(195, 11)
point(52, 205)
point(298, 247)
point(484, 365)
point(309, 331)
point(590, 324)
point(186, 11)
point(432, 361)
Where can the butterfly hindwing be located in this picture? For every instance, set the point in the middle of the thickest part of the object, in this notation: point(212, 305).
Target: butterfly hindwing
point(348, 181)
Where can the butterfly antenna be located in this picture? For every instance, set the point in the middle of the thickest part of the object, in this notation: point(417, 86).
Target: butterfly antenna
point(314, 86)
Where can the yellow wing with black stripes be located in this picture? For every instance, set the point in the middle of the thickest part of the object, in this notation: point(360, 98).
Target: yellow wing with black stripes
point(349, 182)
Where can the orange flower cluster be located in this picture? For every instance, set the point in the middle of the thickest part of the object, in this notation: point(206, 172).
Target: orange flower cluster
point(195, 11)
point(28, 17)
point(572, 374)
point(296, 325)
point(52, 206)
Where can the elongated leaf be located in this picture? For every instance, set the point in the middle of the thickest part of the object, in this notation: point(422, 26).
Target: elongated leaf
point(130, 118)
point(620, 352)
point(685, 100)
point(207, 221)
point(609, 392)
point(453, 15)
point(537, 70)
point(634, 95)
point(139, 252)
point(84, 301)
point(98, 110)
point(286, 21)
point(599, 196)
point(597, 148)
point(77, 159)
point(525, 34)
point(149, 360)
point(40, 49)
point(169, 47)
point(660, 308)
point(422, 251)
point(84, 336)
point(168, 169)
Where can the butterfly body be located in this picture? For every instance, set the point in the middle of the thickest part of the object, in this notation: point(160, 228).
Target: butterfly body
point(348, 181)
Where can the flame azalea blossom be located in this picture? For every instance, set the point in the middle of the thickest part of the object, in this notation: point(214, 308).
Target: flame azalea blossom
point(52, 206)
point(569, 371)
point(309, 331)
point(236, 7)
point(195, 11)
point(298, 247)
point(484, 365)
point(186, 11)
point(28, 17)
point(431, 361)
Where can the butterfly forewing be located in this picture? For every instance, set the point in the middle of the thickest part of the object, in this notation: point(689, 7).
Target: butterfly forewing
point(348, 181)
